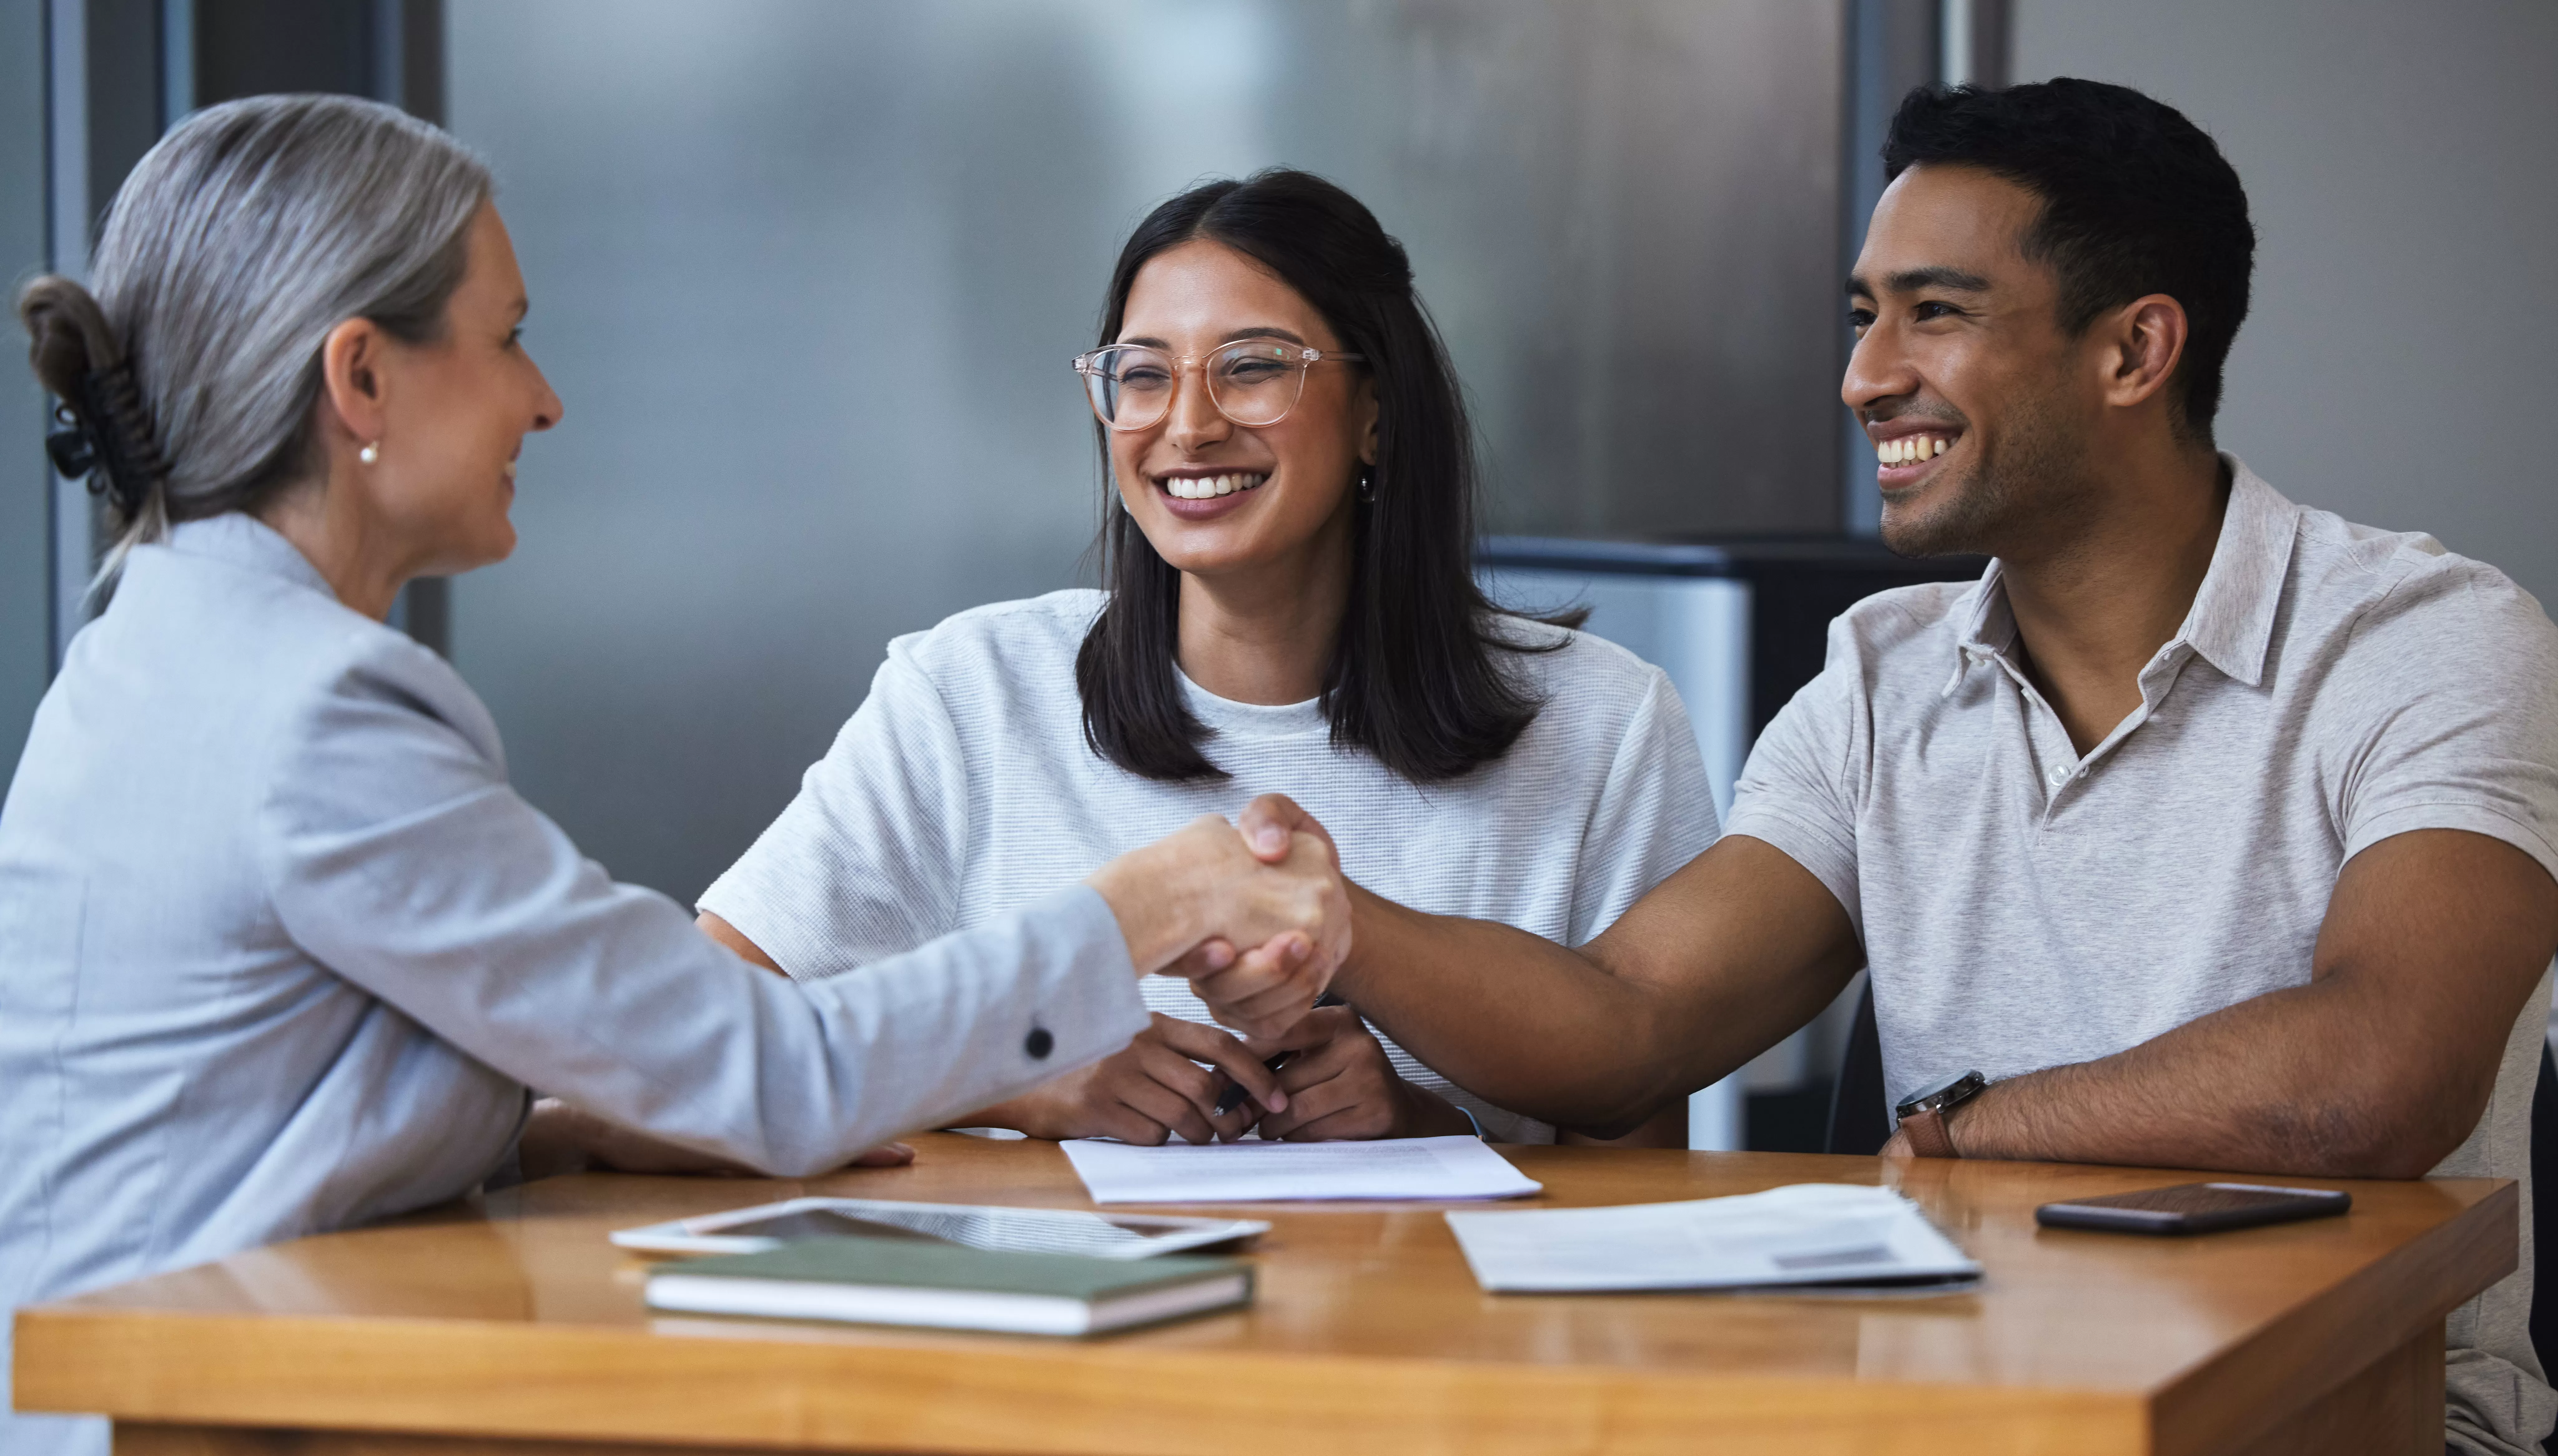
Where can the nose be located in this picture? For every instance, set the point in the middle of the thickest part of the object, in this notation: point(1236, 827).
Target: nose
point(1879, 369)
point(547, 408)
point(1194, 421)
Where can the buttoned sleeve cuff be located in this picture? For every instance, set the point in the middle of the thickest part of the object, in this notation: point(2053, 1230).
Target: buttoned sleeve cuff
point(1820, 850)
point(984, 1014)
point(2453, 814)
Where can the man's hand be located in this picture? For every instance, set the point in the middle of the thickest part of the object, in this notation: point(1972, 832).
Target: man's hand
point(1341, 1085)
point(1200, 893)
point(1262, 992)
point(1153, 1089)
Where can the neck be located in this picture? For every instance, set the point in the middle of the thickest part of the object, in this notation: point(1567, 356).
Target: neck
point(2093, 607)
point(362, 561)
point(1267, 634)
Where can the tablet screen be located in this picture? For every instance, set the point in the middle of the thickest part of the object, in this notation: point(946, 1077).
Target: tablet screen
point(1030, 1230)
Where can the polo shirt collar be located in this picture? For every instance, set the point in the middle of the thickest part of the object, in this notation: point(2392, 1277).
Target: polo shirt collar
point(1988, 628)
point(2232, 621)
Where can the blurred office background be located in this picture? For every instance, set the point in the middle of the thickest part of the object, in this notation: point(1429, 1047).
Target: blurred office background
point(807, 273)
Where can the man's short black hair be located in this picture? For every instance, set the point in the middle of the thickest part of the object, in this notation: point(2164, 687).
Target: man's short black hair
point(2136, 199)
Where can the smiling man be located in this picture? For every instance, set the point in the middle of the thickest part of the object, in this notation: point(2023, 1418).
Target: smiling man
point(2204, 830)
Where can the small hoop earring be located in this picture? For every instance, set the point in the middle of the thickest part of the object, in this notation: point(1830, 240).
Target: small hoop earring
point(1368, 485)
point(370, 454)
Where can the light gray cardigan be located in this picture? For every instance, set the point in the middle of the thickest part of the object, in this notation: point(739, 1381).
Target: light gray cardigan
point(280, 951)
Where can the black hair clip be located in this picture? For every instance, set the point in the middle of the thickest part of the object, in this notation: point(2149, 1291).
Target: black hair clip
point(74, 450)
point(79, 451)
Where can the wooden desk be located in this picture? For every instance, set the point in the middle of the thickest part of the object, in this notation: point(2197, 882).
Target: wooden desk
point(509, 1324)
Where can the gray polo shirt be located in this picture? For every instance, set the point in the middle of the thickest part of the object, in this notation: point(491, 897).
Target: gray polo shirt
point(2024, 907)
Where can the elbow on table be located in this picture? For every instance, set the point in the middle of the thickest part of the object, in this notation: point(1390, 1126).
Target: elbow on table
point(1619, 1120)
point(2370, 1137)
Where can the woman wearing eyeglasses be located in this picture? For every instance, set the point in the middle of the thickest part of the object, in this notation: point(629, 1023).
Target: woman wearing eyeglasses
point(1291, 608)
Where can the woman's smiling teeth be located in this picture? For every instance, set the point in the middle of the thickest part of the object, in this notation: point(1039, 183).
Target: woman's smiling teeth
point(1201, 487)
point(1913, 448)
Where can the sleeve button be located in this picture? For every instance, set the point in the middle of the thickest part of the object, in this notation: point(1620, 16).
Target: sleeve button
point(1039, 1044)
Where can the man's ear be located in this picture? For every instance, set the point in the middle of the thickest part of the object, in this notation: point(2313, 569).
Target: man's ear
point(2145, 341)
point(352, 385)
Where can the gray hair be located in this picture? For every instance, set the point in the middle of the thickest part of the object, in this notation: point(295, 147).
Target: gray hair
point(237, 243)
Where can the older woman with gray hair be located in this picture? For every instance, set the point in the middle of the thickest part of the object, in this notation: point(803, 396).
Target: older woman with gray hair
point(280, 950)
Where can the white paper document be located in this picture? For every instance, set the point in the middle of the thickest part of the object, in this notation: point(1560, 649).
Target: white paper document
point(1806, 1234)
point(1256, 1171)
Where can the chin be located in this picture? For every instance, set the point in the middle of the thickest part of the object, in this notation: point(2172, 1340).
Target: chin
point(488, 548)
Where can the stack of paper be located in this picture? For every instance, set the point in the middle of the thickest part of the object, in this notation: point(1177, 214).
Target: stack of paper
point(1807, 1234)
point(1256, 1171)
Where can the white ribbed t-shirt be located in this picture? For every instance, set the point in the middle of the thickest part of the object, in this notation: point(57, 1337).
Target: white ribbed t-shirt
point(964, 788)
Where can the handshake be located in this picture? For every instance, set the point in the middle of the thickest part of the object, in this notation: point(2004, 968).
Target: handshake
point(1255, 915)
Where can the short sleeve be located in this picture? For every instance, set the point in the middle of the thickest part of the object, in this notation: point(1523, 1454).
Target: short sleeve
point(2446, 701)
point(1795, 792)
point(1654, 814)
point(866, 862)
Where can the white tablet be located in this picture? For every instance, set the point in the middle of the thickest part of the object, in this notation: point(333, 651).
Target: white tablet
point(1033, 1231)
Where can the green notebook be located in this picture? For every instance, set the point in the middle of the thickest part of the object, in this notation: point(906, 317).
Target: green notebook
point(898, 1281)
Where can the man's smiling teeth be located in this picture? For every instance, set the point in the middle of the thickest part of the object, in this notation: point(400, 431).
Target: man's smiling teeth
point(1200, 488)
point(1910, 448)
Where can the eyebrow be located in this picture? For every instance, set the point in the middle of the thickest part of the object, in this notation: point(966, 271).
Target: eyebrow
point(1257, 331)
point(1916, 280)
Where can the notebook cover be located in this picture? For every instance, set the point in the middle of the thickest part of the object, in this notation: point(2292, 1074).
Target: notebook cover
point(913, 1264)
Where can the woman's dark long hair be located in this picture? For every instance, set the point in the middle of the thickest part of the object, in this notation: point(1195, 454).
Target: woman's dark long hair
point(1413, 679)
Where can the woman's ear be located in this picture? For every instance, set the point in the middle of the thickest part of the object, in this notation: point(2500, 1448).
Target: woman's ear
point(1367, 413)
point(352, 384)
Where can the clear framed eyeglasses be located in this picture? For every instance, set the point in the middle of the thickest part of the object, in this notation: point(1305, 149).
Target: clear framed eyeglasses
point(1252, 381)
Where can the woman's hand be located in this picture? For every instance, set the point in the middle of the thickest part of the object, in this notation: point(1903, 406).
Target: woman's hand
point(559, 1138)
point(1150, 1092)
point(1341, 1085)
point(1203, 891)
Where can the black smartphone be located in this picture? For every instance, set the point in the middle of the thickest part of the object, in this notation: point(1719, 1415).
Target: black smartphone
point(2195, 1208)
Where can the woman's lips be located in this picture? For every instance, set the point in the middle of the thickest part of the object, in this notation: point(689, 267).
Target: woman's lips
point(1206, 497)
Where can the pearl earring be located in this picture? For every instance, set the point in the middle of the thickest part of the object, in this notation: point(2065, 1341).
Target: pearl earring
point(370, 454)
point(1367, 485)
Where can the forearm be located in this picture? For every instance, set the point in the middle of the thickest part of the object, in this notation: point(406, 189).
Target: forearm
point(1543, 1029)
point(2434, 944)
point(1664, 1128)
point(1555, 1033)
point(2285, 1083)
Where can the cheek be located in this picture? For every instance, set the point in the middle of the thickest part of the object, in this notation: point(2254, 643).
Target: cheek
point(1317, 458)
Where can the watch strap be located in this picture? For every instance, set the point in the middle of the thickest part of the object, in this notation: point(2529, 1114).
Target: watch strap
point(1927, 1133)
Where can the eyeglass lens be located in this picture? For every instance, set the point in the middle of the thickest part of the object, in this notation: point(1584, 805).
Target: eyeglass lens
point(1251, 383)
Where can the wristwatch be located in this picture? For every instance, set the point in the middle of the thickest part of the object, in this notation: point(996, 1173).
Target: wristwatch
point(1922, 1117)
